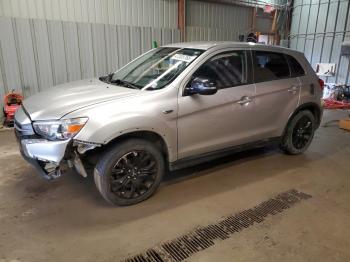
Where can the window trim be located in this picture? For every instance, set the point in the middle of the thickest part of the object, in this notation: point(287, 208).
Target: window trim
point(290, 66)
point(255, 65)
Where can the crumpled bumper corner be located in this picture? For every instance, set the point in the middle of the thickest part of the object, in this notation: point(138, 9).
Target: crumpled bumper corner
point(45, 156)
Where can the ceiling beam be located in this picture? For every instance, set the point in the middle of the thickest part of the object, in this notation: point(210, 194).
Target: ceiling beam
point(249, 3)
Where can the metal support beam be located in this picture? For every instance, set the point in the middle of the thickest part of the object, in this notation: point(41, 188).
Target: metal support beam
point(343, 38)
point(181, 19)
point(249, 3)
point(254, 20)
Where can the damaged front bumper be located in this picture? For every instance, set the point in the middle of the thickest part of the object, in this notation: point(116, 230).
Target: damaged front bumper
point(47, 156)
point(44, 155)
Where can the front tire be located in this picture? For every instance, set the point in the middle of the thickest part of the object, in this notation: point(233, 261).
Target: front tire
point(299, 133)
point(129, 172)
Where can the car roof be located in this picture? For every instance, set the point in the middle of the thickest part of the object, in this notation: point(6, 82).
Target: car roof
point(206, 45)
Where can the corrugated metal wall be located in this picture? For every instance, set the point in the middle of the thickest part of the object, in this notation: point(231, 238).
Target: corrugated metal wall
point(252, 3)
point(318, 29)
point(263, 24)
point(150, 13)
point(47, 42)
point(209, 21)
point(36, 54)
point(263, 21)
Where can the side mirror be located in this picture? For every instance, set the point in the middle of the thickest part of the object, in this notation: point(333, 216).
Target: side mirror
point(201, 86)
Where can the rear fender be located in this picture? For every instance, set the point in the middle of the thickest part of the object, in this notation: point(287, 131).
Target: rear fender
point(313, 107)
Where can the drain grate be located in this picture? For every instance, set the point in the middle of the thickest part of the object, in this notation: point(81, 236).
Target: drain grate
point(201, 238)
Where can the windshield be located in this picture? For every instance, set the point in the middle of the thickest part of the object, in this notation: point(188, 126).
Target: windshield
point(155, 69)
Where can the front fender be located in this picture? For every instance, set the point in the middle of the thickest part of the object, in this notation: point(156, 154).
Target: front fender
point(144, 112)
point(103, 133)
point(104, 129)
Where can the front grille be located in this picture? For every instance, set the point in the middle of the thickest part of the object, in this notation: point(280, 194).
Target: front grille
point(17, 125)
point(25, 130)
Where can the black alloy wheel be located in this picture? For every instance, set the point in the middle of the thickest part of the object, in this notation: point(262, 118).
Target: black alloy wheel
point(133, 174)
point(302, 133)
point(129, 171)
point(299, 133)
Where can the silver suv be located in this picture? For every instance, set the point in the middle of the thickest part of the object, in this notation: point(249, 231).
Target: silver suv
point(174, 106)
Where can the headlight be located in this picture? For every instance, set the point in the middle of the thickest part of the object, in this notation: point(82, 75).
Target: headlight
point(60, 129)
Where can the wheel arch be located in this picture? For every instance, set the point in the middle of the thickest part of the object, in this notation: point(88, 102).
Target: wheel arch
point(314, 108)
point(148, 135)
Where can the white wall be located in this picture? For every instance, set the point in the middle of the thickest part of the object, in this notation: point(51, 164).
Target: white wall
point(48, 42)
point(152, 13)
point(36, 54)
point(209, 21)
point(318, 29)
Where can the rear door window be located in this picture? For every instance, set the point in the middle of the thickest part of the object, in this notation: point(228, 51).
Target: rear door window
point(270, 66)
point(295, 67)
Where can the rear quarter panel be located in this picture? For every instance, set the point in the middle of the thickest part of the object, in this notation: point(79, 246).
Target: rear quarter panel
point(311, 91)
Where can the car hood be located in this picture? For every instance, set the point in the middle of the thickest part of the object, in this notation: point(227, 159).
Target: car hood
point(63, 99)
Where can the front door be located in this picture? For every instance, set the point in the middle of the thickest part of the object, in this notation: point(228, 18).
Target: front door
point(208, 123)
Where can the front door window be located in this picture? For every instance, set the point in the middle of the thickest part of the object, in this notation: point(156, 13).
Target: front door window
point(225, 70)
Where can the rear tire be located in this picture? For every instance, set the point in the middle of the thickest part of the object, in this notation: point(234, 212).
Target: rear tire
point(129, 172)
point(299, 133)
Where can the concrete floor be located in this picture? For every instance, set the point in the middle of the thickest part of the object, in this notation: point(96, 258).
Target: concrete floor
point(67, 220)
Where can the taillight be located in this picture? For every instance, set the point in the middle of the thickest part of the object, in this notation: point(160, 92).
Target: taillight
point(321, 82)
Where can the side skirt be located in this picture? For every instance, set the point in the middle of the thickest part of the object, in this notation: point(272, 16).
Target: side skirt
point(194, 160)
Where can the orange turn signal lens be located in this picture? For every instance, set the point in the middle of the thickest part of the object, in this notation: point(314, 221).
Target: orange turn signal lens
point(74, 128)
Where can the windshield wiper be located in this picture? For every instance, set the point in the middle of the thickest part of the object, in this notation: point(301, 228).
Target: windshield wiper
point(106, 78)
point(124, 83)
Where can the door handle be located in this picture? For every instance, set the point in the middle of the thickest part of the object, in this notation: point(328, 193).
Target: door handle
point(167, 111)
point(293, 89)
point(244, 100)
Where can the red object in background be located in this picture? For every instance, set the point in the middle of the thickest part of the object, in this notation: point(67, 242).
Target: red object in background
point(12, 102)
point(268, 9)
point(335, 104)
point(321, 82)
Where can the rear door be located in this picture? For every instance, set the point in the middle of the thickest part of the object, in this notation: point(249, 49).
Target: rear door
point(277, 92)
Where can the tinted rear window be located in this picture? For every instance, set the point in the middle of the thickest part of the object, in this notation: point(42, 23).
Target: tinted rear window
point(270, 66)
point(296, 68)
